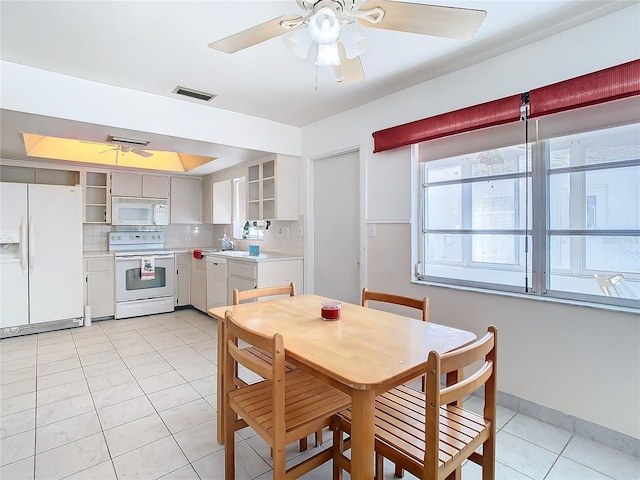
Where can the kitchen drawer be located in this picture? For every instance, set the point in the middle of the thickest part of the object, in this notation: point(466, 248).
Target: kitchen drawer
point(240, 269)
point(99, 264)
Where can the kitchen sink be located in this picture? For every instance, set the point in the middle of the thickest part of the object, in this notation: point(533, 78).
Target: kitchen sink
point(230, 253)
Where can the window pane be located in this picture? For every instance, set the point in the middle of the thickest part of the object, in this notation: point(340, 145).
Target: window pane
point(494, 249)
point(559, 201)
point(444, 207)
point(602, 255)
point(498, 204)
point(610, 199)
point(497, 259)
point(444, 248)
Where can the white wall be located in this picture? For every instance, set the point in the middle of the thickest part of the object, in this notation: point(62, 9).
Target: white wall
point(579, 360)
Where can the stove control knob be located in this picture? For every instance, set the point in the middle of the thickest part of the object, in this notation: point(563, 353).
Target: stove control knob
point(120, 238)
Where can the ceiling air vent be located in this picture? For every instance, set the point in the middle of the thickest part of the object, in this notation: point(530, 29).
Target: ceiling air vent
point(129, 142)
point(189, 92)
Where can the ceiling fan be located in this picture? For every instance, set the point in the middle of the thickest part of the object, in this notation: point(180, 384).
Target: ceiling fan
point(124, 149)
point(334, 25)
point(124, 145)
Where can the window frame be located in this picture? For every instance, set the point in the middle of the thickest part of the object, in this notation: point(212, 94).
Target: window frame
point(539, 232)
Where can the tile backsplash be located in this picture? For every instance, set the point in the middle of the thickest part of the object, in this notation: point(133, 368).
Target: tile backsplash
point(175, 236)
point(200, 236)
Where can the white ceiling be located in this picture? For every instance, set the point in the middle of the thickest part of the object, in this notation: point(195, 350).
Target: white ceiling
point(154, 46)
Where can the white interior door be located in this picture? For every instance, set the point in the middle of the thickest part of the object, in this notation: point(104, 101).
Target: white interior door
point(55, 267)
point(336, 227)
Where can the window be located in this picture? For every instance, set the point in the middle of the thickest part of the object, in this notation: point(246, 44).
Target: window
point(240, 213)
point(553, 217)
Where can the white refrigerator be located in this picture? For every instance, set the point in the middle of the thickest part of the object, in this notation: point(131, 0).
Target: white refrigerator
point(41, 279)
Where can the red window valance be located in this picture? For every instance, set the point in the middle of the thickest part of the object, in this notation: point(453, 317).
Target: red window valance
point(602, 86)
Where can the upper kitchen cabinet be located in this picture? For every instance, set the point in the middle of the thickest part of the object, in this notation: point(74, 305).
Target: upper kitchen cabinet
point(96, 196)
point(186, 200)
point(155, 186)
point(217, 206)
point(127, 184)
point(272, 189)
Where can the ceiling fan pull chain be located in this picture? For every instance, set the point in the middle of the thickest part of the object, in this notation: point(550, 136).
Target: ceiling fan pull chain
point(316, 77)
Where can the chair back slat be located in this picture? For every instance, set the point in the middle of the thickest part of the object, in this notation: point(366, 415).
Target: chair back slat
point(466, 386)
point(461, 357)
point(249, 361)
point(240, 296)
point(419, 304)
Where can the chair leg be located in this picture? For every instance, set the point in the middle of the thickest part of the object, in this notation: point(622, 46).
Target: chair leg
point(318, 438)
point(399, 472)
point(303, 444)
point(229, 447)
point(279, 463)
point(336, 450)
point(489, 459)
point(379, 472)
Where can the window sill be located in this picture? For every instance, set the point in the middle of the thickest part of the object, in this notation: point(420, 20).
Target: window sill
point(539, 298)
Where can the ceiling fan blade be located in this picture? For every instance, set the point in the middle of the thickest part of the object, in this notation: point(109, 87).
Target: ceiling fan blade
point(349, 70)
point(109, 150)
point(142, 153)
point(94, 143)
point(254, 35)
point(448, 22)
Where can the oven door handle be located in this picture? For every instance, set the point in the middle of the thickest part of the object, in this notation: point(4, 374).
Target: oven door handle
point(140, 257)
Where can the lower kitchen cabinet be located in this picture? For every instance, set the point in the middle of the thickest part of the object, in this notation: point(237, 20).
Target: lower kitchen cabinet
point(183, 279)
point(216, 282)
point(99, 287)
point(245, 275)
point(198, 287)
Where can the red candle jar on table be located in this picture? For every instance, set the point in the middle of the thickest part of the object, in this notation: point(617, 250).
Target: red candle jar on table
point(330, 310)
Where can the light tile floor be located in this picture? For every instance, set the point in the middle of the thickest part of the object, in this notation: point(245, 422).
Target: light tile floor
point(136, 398)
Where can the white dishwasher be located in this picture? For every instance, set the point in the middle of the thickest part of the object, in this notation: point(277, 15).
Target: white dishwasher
point(217, 272)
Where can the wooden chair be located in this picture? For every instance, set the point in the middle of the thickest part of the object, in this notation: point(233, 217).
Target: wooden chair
point(404, 418)
point(283, 408)
point(240, 296)
point(422, 305)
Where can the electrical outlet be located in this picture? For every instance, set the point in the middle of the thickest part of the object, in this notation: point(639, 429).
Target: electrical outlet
point(371, 231)
point(281, 231)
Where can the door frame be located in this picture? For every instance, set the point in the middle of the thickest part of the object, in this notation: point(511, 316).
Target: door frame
point(309, 221)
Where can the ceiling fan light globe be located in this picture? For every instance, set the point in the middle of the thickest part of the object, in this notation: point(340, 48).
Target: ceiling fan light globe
point(299, 41)
point(328, 55)
point(355, 43)
point(324, 26)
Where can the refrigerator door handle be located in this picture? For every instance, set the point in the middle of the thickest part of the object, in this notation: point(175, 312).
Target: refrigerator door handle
point(23, 246)
point(31, 246)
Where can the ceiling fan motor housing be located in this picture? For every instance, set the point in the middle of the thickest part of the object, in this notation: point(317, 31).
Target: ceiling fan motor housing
point(337, 5)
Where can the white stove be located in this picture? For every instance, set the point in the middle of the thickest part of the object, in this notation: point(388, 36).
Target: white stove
point(144, 273)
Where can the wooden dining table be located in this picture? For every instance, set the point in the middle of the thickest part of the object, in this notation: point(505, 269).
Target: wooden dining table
point(364, 353)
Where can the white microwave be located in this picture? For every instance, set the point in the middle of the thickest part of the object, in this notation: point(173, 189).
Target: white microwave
point(139, 211)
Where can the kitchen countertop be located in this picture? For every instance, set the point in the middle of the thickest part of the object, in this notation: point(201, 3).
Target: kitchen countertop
point(101, 253)
point(245, 257)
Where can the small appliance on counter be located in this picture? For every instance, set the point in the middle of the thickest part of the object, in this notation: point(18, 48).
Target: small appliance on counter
point(144, 273)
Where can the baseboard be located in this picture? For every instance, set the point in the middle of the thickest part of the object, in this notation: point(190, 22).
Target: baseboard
point(612, 438)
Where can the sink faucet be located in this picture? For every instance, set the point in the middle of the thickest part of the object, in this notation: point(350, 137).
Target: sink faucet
point(227, 243)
